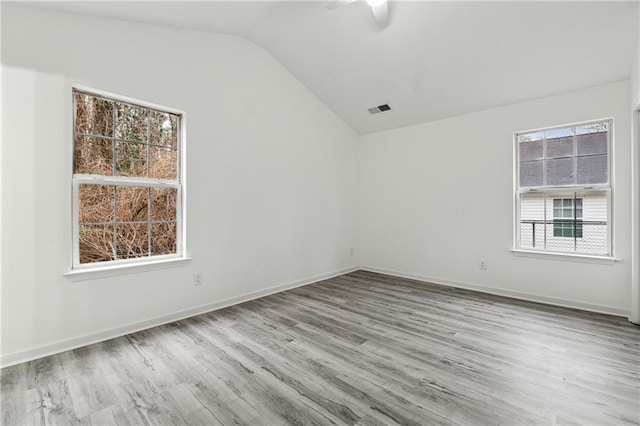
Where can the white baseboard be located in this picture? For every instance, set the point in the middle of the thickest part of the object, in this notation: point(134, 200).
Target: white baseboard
point(100, 336)
point(531, 297)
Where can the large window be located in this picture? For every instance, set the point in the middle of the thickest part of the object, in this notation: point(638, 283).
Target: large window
point(563, 189)
point(127, 185)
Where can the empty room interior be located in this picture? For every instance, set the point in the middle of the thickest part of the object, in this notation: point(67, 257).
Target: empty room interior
point(320, 212)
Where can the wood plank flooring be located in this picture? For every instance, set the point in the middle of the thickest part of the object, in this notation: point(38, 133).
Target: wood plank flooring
point(360, 349)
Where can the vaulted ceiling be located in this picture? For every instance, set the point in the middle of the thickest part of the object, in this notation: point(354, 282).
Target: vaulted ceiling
point(435, 59)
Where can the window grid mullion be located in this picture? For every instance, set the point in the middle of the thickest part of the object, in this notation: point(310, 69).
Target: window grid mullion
point(545, 201)
point(125, 181)
point(575, 155)
point(575, 222)
point(544, 160)
point(131, 141)
point(149, 239)
point(132, 222)
point(75, 205)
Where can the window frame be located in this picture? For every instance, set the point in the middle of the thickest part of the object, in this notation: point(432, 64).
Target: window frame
point(559, 223)
point(120, 181)
point(558, 191)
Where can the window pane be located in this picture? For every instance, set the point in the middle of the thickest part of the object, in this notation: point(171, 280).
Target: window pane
point(593, 128)
point(163, 238)
point(593, 169)
point(592, 228)
point(163, 204)
point(132, 240)
point(131, 159)
point(94, 115)
point(132, 204)
point(164, 163)
point(163, 129)
point(533, 136)
point(568, 230)
point(588, 233)
point(531, 174)
point(560, 147)
point(96, 243)
point(567, 202)
point(560, 172)
point(131, 122)
point(93, 156)
point(529, 151)
point(592, 143)
point(558, 231)
point(96, 203)
point(532, 214)
point(559, 133)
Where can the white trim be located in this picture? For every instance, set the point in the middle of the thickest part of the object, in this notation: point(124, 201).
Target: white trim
point(125, 99)
point(562, 126)
point(635, 214)
point(125, 181)
point(111, 333)
point(516, 197)
point(75, 227)
point(574, 257)
point(531, 297)
point(570, 188)
point(124, 267)
point(181, 213)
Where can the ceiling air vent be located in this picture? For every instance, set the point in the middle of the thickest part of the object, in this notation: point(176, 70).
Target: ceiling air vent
point(379, 108)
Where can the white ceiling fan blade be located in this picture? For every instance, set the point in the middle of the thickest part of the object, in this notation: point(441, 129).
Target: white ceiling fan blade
point(339, 3)
point(381, 13)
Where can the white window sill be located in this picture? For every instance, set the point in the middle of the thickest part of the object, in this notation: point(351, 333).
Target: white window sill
point(572, 257)
point(124, 268)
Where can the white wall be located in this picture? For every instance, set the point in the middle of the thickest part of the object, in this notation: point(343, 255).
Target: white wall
point(437, 198)
point(271, 175)
point(635, 78)
point(635, 72)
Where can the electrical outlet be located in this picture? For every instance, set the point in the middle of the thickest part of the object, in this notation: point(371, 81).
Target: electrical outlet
point(483, 265)
point(197, 279)
point(351, 251)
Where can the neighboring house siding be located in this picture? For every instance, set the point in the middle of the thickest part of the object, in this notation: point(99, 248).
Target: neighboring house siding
point(532, 210)
point(594, 236)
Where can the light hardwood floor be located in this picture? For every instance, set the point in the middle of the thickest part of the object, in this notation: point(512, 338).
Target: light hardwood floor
point(362, 348)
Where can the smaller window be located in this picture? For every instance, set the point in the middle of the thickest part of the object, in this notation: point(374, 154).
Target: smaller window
point(563, 189)
point(567, 217)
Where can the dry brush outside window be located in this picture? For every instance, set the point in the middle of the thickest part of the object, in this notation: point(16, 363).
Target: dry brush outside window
point(126, 180)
